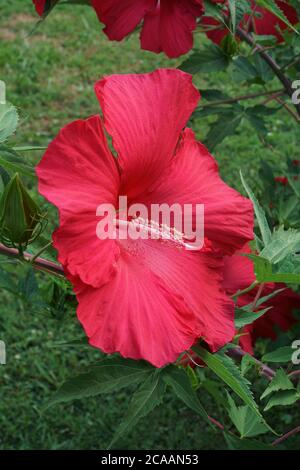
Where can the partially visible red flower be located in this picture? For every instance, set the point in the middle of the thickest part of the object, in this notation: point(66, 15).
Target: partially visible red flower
point(261, 22)
point(42, 6)
point(238, 275)
point(167, 25)
point(282, 180)
point(296, 162)
point(144, 298)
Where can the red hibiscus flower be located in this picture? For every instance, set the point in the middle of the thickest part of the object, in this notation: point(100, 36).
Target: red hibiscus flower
point(261, 22)
point(42, 6)
point(167, 24)
point(239, 274)
point(146, 298)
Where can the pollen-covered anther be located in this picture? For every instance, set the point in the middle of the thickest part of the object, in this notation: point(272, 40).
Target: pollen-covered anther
point(159, 231)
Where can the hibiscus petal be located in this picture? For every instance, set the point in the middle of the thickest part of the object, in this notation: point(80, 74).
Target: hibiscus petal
point(246, 340)
point(281, 313)
point(197, 278)
point(77, 171)
point(77, 174)
point(145, 114)
point(40, 6)
point(161, 299)
point(150, 34)
point(217, 32)
point(193, 178)
point(81, 252)
point(238, 271)
point(171, 28)
point(121, 17)
point(136, 315)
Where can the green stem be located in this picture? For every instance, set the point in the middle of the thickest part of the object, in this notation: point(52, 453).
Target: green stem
point(245, 291)
point(40, 252)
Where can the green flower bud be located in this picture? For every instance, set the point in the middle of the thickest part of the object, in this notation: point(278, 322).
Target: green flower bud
point(229, 45)
point(21, 220)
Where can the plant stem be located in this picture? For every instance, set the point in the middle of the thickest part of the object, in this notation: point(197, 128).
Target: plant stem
point(245, 291)
point(244, 97)
point(242, 34)
point(286, 436)
point(37, 255)
point(258, 294)
point(294, 373)
point(265, 370)
point(38, 263)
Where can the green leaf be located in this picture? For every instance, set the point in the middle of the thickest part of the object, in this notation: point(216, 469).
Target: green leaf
point(144, 400)
point(245, 420)
point(224, 127)
point(181, 385)
point(227, 371)
point(28, 286)
point(213, 10)
point(256, 121)
point(7, 281)
point(110, 375)
point(232, 11)
point(266, 298)
point(209, 59)
point(264, 272)
point(242, 7)
point(295, 187)
point(259, 213)
point(295, 4)
point(213, 94)
point(243, 70)
point(12, 161)
point(283, 354)
point(247, 362)
point(243, 317)
point(282, 398)
point(4, 178)
point(245, 444)
point(8, 120)
point(264, 71)
point(282, 243)
point(279, 382)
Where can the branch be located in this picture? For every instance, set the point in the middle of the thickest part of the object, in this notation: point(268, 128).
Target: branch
point(265, 370)
point(242, 34)
point(245, 97)
point(38, 263)
point(286, 436)
point(294, 374)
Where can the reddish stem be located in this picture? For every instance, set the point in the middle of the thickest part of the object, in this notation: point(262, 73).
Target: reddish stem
point(265, 370)
point(38, 263)
point(286, 436)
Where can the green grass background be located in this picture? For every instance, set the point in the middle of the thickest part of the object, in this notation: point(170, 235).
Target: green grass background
point(50, 76)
